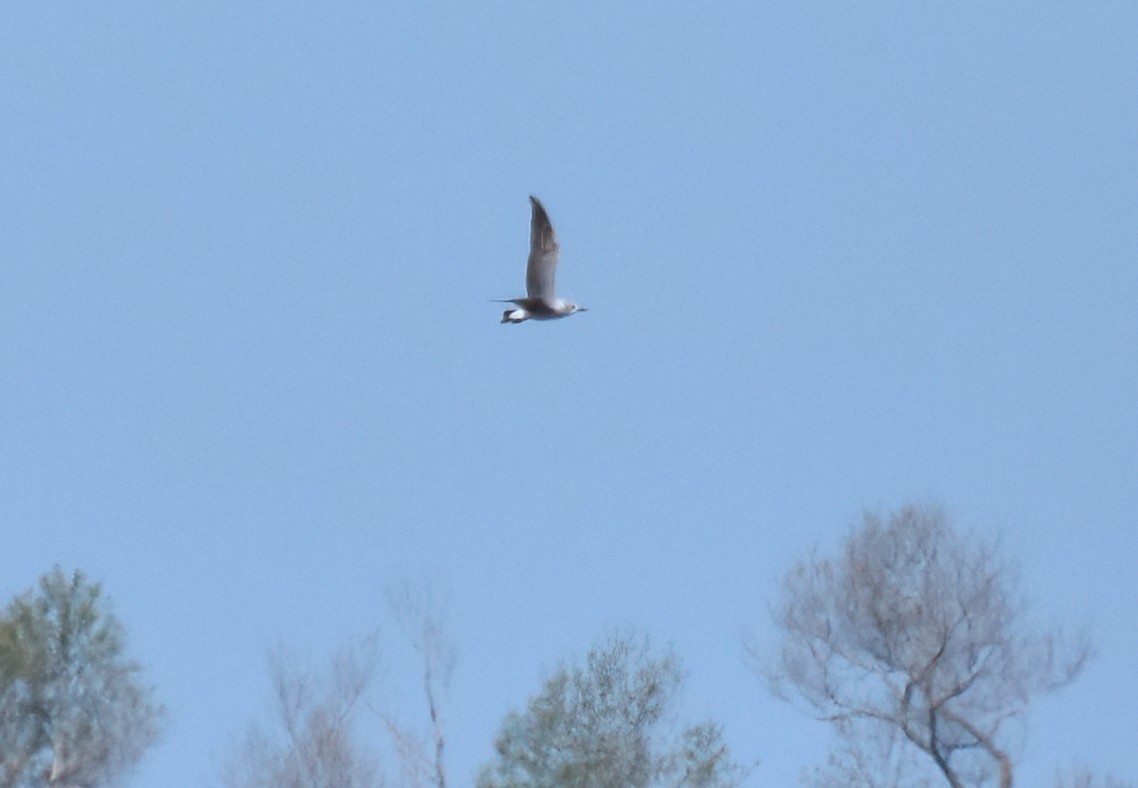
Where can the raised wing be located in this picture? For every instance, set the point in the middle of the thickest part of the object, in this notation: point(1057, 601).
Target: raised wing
point(541, 271)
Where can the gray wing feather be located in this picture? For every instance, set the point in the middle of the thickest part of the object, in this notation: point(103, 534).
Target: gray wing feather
point(541, 271)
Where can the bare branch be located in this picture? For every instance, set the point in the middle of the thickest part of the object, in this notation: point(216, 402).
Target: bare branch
point(420, 618)
point(916, 626)
point(316, 714)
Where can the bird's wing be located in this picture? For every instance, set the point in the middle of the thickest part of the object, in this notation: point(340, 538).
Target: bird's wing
point(543, 251)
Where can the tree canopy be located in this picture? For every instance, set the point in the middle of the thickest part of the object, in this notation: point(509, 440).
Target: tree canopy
point(914, 635)
point(599, 726)
point(317, 744)
point(73, 709)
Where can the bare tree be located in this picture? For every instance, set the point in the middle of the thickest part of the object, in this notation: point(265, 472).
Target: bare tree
point(914, 637)
point(421, 619)
point(599, 727)
point(72, 708)
point(316, 746)
point(872, 762)
point(1085, 778)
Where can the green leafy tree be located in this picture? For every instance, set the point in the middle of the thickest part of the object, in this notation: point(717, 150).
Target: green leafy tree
point(599, 726)
point(73, 710)
point(911, 641)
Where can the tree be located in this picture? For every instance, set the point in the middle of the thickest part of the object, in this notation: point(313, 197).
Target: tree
point(72, 708)
point(599, 727)
point(317, 745)
point(420, 617)
point(318, 748)
point(1084, 778)
point(913, 639)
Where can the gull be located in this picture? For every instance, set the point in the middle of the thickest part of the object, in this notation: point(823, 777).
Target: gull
point(540, 302)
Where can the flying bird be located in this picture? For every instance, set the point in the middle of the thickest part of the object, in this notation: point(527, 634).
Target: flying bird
point(541, 302)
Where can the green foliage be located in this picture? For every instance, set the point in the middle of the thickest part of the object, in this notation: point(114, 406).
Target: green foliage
point(706, 760)
point(598, 726)
point(71, 708)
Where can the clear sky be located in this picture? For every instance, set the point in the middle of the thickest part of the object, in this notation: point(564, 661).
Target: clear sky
point(837, 257)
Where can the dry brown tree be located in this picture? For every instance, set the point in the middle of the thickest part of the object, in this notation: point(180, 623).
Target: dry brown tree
point(912, 641)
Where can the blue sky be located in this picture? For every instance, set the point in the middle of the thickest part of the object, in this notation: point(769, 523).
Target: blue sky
point(837, 257)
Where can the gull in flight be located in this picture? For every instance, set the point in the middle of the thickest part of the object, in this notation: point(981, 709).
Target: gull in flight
point(540, 302)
